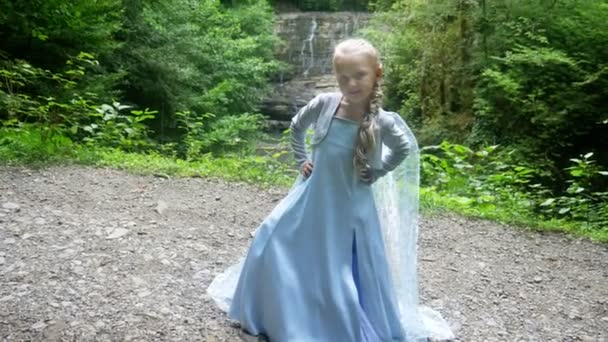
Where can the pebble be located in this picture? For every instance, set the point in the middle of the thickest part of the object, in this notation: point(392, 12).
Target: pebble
point(138, 281)
point(39, 326)
point(504, 297)
point(11, 206)
point(161, 207)
point(144, 293)
point(6, 298)
point(118, 233)
point(491, 322)
point(574, 315)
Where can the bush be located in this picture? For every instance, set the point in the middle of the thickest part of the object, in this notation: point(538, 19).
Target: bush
point(491, 179)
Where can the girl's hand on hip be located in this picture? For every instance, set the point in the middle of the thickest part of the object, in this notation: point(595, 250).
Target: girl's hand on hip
point(306, 168)
point(366, 175)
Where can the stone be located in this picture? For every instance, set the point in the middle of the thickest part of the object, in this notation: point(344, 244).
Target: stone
point(161, 207)
point(6, 298)
point(11, 206)
point(491, 322)
point(38, 326)
point(118, 233)
point(574, 315)
point(138, 281)
point(144, 293)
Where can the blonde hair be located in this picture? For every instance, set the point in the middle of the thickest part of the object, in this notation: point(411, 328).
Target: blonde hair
point(366, 141)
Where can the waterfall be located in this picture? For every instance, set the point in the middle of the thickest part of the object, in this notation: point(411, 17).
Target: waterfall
point(308, 42)
point(309, 37)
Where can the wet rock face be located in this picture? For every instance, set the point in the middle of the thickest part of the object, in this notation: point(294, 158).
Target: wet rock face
point(309, 38)
point(288, 97)
point(308, 42)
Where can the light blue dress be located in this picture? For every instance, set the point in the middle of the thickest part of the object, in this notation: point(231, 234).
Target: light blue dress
point(317, 269)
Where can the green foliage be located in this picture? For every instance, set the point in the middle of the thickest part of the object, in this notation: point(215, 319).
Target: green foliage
point(258, 170)
point(191, 73)
point(528, 75)
point(196, 57)
point(381, 5)
point(114, 128)
point(65, 113)
point(580, 202)
point(228, 134)
point(171, 58)
point(425, 49)
point(32, 144)
point(491, 183)
point(58, 107)
point(557, 88)
point(26, 146)
point(47, 33)
point(481, 178)
point(471, 70)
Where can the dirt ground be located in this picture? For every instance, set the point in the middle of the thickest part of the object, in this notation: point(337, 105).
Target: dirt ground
point(101, 255)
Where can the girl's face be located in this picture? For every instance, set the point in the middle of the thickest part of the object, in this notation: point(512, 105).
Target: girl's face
point(357, 74)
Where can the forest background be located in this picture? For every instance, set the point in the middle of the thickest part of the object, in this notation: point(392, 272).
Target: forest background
point(508, 98)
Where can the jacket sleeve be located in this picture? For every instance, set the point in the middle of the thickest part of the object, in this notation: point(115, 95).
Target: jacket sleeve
point(394, 138)
point(306, 116)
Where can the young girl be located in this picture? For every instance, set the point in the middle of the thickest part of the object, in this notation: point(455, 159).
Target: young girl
point(335, 260)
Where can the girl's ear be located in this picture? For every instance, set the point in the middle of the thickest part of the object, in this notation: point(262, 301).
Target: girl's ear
point(380, 71)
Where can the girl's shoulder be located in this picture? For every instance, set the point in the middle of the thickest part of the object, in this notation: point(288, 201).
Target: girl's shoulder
point(328, 97)
point(388, 119)
point(323, 100)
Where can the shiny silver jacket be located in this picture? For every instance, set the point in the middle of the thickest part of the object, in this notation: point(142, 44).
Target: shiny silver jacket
point(319, 112)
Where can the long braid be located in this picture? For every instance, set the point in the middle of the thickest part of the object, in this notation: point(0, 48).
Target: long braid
point(366, 140)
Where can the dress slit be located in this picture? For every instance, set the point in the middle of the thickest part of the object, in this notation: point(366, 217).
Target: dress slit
point(355, 266)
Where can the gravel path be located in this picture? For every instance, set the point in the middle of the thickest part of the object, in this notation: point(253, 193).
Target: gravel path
point(101, 255)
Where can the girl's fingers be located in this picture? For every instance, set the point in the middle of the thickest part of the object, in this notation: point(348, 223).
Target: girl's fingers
point(366, 175)
point(307, 169)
